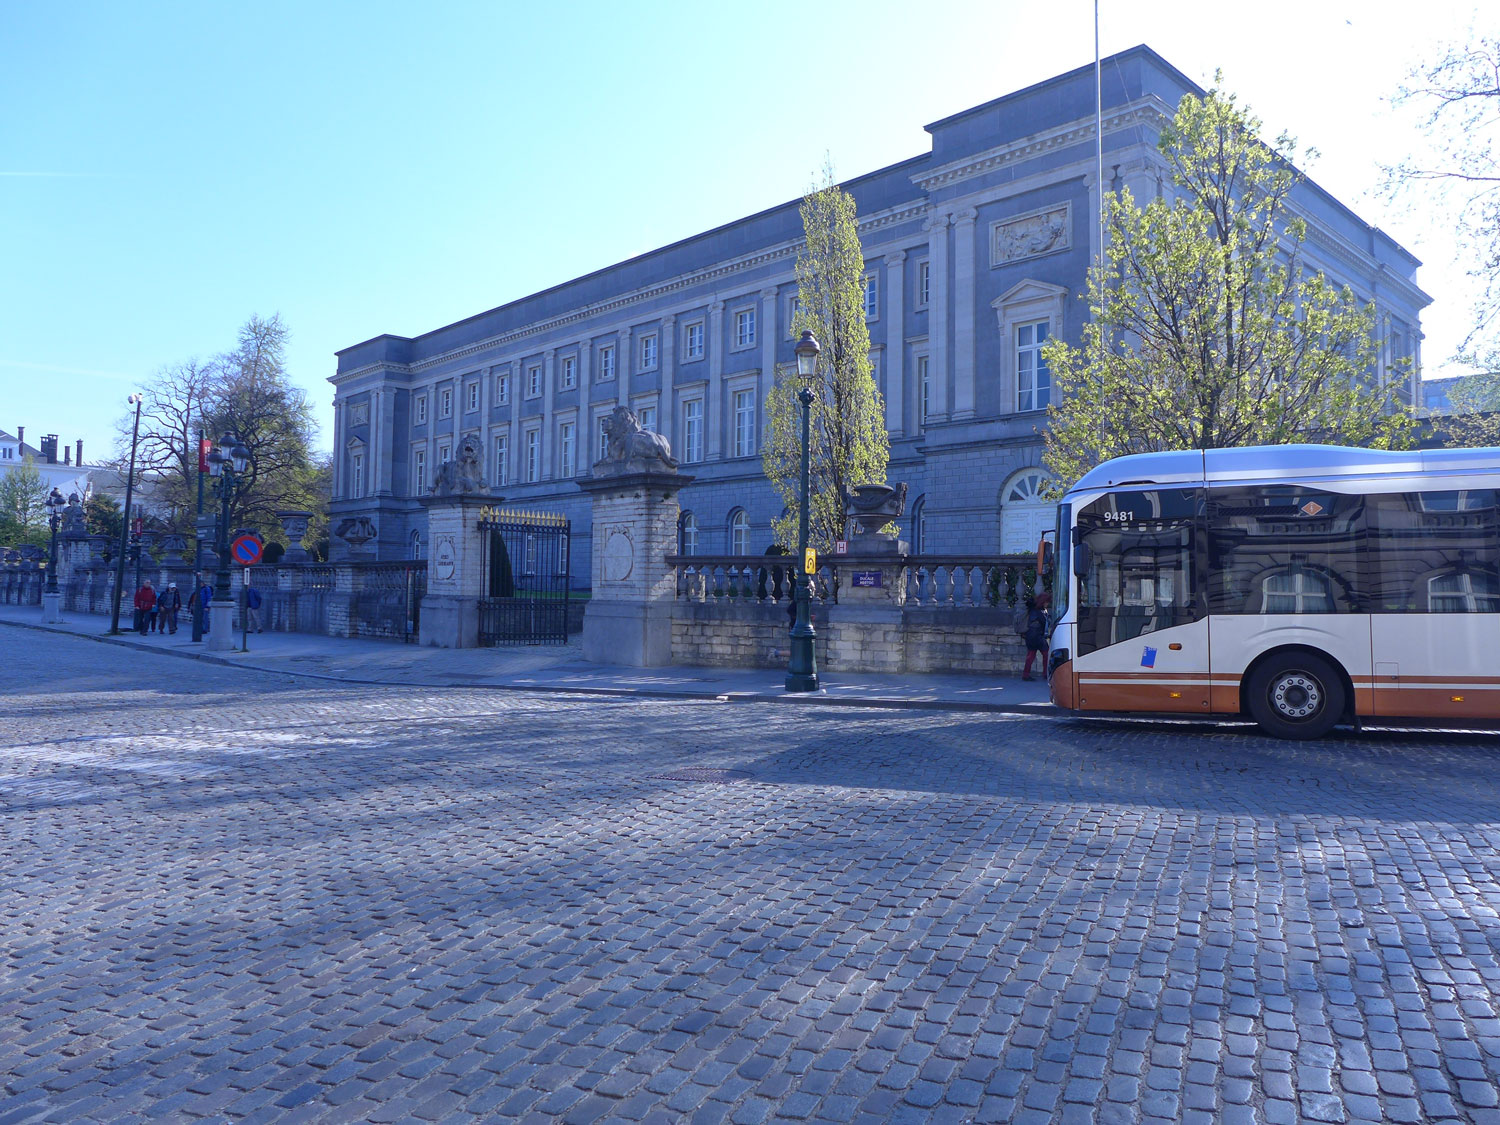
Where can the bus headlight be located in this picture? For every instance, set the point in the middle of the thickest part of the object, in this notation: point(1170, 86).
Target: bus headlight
point(1058, 658)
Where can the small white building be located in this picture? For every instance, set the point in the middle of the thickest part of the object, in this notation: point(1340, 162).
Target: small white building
point(58, 466)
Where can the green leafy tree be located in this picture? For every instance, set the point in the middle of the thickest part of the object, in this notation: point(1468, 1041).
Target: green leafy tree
point(23, 505)
point(1206, 328)
point(1475, 420)
point(102, 515)
point(849, 444)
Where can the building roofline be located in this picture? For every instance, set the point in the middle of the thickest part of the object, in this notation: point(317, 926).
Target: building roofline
point(847, 185)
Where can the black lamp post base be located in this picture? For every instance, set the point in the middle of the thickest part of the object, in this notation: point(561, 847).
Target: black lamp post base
point(799, 682)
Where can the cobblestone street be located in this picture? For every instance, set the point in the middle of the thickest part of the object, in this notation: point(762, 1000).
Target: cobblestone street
point(242, 896)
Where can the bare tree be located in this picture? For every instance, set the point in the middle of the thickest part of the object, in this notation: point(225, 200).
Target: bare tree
point(1458, 97)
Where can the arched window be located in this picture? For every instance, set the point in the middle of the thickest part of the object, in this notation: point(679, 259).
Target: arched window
point(919, 526)
point(1462, 592)
point(414, 548)
point(739, 533)
point(1024, 512)
point(687, 534)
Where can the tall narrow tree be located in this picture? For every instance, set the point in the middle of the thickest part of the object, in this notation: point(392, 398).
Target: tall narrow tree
point(849, 442)
point(1207, 327)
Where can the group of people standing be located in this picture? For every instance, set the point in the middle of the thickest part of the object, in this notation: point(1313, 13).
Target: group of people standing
point(157, 613)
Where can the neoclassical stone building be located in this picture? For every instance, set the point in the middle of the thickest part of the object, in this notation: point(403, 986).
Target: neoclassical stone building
point(976, 251)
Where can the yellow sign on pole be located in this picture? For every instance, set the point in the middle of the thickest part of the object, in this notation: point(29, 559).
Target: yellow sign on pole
point(810, 562)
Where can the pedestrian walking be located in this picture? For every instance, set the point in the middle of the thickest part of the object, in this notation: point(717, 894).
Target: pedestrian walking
point(1036, 634)
point(145, 607)
point(252, 609)
point(198, 603)
point(167, 607)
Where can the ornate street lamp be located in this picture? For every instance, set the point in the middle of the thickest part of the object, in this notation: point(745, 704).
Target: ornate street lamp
point(55, 506)
point(135, 433)
point(51, 599)
point(802, 671)
point(228, 460)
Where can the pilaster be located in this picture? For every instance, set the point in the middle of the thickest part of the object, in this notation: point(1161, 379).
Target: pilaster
point(713, 436)
point(895, 340)
point(769, 334)
point(385, 458)
point(963, 314)
point(624, 365)
point(937, 317)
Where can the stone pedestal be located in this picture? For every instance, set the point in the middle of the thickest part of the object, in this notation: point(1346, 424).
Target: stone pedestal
point(865, 629)
point(629, 616)
point(51, 608)
point(455, 570)
point(221, 626)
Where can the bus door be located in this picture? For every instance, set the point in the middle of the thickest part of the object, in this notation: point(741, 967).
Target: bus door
point(1142, 640)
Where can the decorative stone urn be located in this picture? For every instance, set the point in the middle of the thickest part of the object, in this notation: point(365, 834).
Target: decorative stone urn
point(871, 507)
point(294, 527)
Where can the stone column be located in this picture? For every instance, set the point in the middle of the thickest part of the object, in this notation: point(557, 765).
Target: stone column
point(963, 314)
point(937, 317)
point(628, 620)
point(456, 578)
point(895, 341)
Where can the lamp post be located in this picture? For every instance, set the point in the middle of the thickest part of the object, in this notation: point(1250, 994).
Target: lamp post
point(135, 433)
point(225, 464)
point(802, 671)
point(52, 599)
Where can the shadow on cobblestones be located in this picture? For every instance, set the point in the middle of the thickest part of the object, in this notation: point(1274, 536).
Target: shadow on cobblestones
point(274, 903)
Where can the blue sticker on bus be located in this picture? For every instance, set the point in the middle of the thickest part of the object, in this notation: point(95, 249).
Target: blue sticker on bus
point(1148, 657)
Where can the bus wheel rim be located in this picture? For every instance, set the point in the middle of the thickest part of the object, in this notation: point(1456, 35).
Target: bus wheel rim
point(1296, 695)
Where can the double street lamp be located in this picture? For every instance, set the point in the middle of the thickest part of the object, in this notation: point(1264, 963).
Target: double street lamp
point(802, 671)
point(226, 462)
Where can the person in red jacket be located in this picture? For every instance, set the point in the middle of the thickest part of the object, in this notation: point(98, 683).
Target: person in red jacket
point(145, 606)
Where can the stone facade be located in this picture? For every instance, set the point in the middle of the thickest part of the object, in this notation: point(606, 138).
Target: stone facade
point(972, 249)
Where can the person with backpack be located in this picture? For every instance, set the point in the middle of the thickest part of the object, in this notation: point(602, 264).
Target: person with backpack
point(1035, 634)
point(167, 607)
point(145, 607)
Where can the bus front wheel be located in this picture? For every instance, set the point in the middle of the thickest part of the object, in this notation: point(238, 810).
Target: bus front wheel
point(1296, 695)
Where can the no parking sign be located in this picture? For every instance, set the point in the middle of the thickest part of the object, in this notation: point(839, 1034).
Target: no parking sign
point(247, 548)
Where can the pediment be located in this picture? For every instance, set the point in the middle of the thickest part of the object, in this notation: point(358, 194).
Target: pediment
point(1029, 290)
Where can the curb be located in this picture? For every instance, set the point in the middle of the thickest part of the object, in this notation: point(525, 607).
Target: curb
point(814, 699)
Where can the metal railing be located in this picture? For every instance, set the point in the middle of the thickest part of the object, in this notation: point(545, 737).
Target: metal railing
point(931, 581)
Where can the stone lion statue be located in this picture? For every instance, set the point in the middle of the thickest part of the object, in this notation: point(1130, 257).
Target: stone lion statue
point(463, 474)
point(626, 441)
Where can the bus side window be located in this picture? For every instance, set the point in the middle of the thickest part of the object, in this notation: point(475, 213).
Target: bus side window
point(1435, 552)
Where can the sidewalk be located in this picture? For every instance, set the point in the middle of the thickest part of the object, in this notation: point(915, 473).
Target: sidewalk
point(554, 668)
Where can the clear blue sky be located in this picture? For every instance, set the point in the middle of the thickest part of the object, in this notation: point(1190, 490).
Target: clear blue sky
point(166, 170)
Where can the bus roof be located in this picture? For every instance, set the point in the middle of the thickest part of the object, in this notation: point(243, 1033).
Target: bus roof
point(1281, 462)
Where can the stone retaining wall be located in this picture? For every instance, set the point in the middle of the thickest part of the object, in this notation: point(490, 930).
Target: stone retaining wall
point(972, 641)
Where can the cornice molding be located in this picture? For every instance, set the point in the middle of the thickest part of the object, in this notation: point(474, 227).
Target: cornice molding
point(879, 220)
point(1144, 111)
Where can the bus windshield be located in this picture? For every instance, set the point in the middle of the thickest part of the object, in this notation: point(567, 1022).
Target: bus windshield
point(1138, 553)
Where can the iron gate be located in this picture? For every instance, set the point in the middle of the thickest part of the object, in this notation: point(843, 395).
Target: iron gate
point(526, 556)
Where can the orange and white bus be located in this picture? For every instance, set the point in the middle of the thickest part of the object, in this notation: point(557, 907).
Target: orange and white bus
point(1303, 585)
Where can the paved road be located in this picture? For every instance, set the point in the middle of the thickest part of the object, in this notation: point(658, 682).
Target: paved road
point(238, 896)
